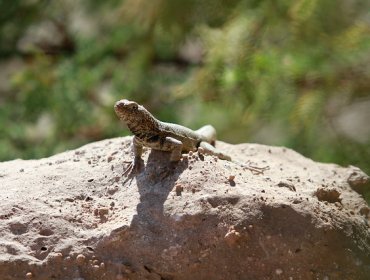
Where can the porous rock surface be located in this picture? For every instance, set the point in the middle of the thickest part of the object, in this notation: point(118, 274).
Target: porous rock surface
point(76, 216)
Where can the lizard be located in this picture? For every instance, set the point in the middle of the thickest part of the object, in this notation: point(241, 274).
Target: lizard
point(155, 134)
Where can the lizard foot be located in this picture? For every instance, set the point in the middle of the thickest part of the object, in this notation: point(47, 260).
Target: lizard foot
point(255, 169)
point(134, 167)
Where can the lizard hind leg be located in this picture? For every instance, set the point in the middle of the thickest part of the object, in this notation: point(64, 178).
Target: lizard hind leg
point(208, 133)
point(173, 145)
point(210, 150)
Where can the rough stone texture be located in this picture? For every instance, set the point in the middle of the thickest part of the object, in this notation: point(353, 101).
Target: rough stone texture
point(74, 216)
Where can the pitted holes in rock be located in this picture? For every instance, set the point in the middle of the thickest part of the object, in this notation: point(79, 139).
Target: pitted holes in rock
point(18, 228)
point(46, 232)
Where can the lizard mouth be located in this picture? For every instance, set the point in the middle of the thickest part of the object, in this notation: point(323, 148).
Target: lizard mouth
point(125, 108)
point(119, 108)
point(120, 104)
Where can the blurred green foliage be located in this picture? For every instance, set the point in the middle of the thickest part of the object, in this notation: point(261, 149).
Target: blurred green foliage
point(274, 72)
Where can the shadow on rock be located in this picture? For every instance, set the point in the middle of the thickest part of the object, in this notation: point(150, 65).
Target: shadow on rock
point(155, 183)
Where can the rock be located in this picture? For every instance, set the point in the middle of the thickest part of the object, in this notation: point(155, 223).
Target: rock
point(358, 180)
point(80, 259)
point(232, 236)
point(299, 219)
point(327, 194)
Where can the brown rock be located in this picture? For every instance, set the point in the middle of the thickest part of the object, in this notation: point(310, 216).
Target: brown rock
point(178, 189)
point(358, 180)
point(327, 194)
point(298, 229)
point(232, 236)
point(80, 259)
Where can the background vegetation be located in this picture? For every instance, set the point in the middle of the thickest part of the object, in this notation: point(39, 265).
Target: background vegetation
point(290, 72)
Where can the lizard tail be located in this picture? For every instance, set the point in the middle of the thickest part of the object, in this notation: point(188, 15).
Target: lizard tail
point(208, 133)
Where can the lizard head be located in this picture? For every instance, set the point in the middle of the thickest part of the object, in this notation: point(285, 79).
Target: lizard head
point(134, 115)
point(126, 109)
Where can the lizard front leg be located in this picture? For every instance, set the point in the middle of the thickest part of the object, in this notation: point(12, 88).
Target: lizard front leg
point(137, 148)
point(136, 164)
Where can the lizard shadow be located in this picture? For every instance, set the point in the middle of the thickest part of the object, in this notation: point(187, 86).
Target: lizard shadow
point(155, 182)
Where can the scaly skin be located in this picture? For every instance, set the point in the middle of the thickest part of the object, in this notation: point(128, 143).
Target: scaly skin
point(169, 137)
point(163, 136)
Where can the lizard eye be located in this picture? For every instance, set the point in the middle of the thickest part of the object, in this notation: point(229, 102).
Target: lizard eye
point(133, 106)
